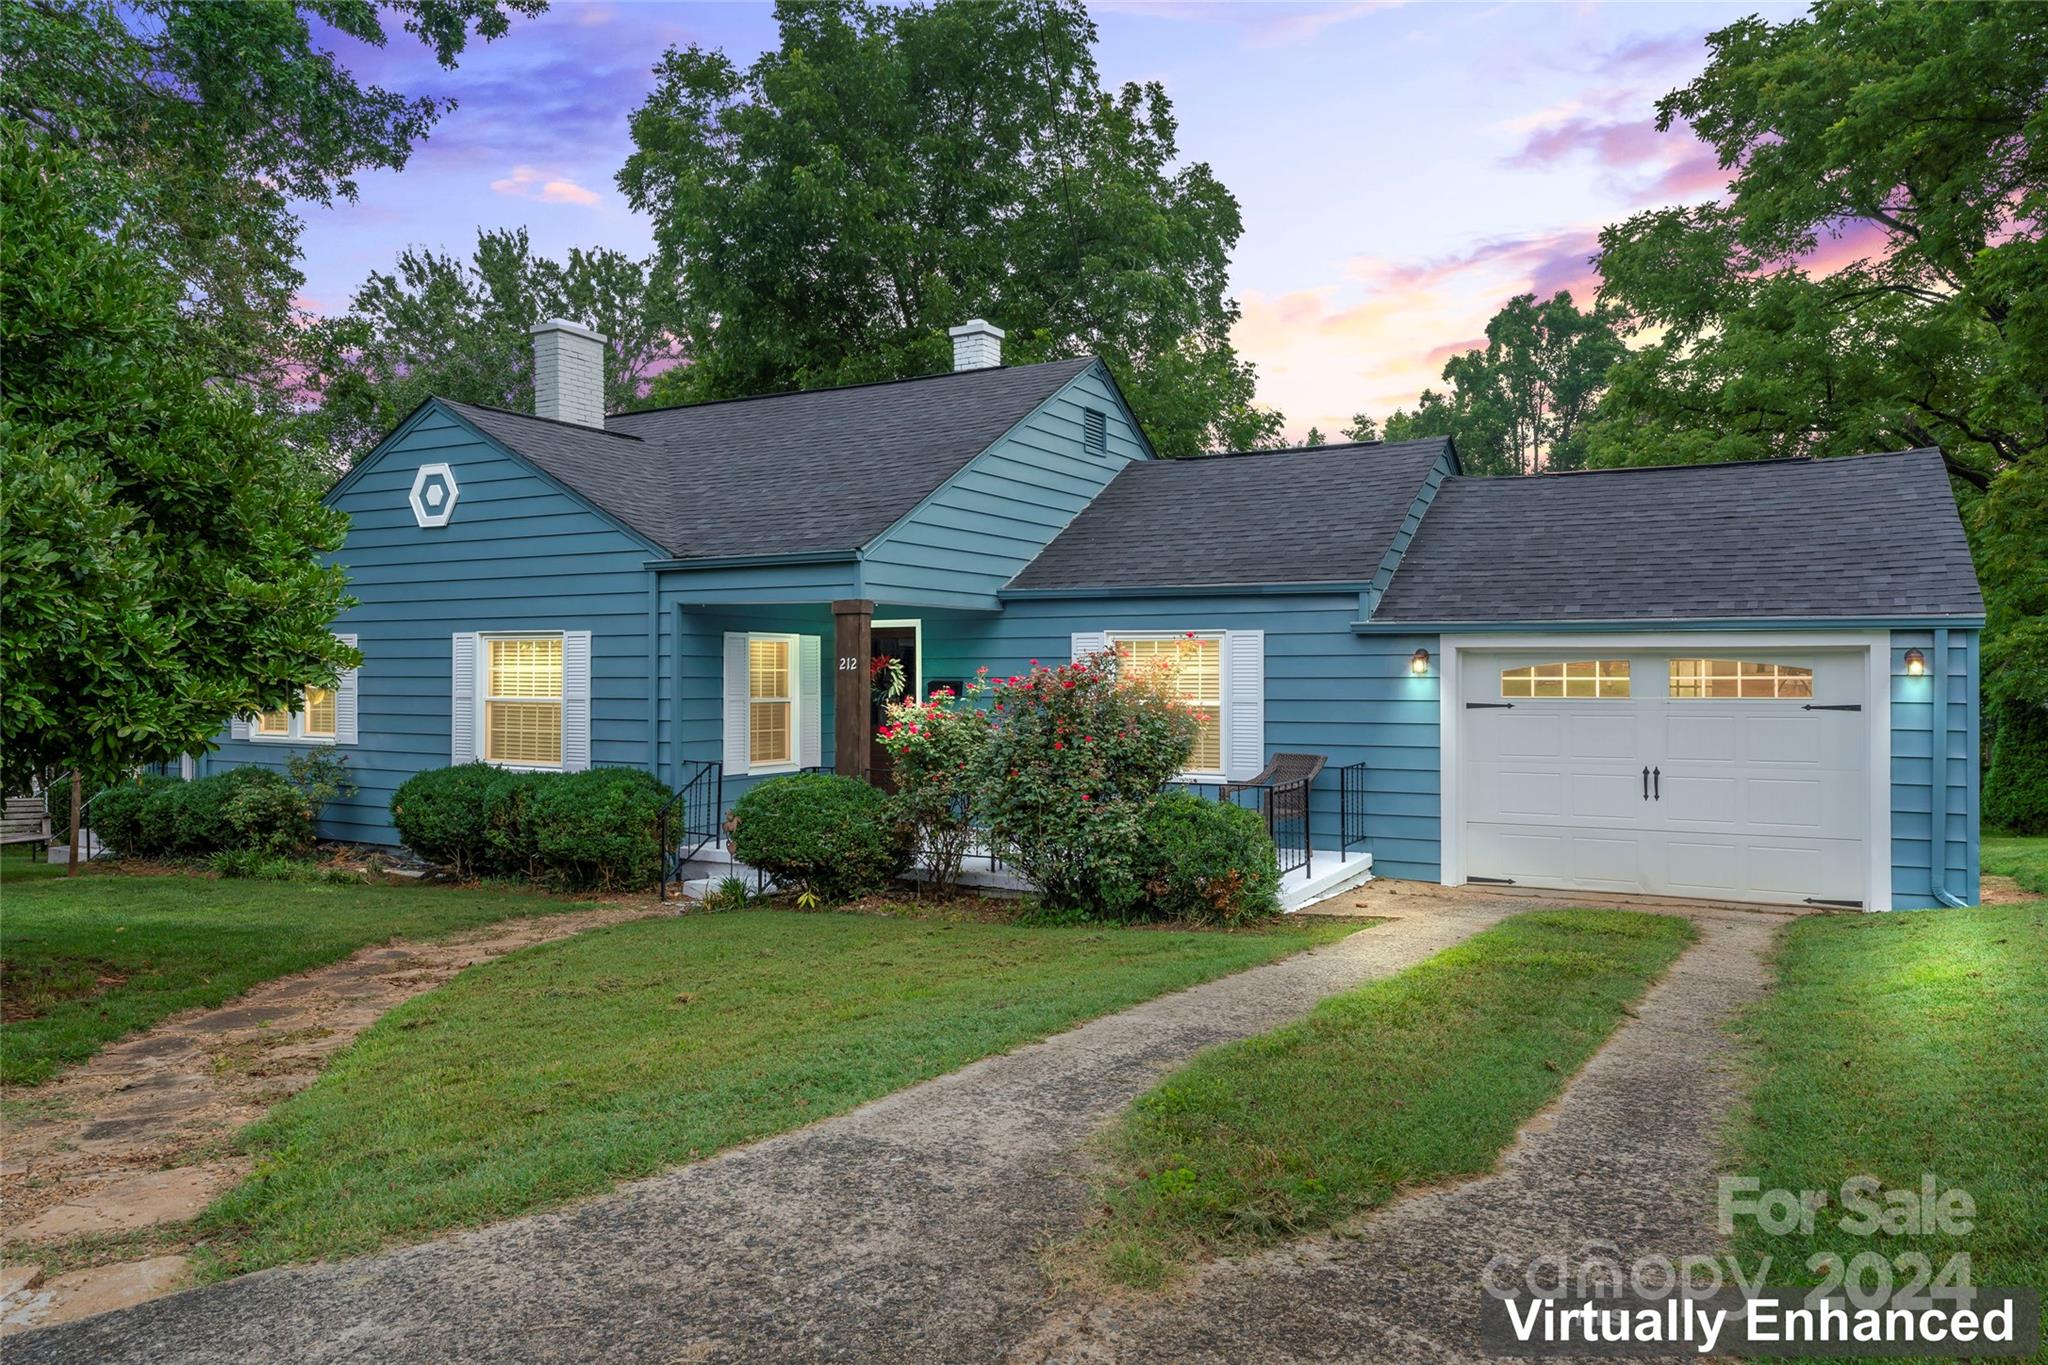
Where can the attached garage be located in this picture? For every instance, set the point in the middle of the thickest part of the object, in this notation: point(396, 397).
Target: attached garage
point(1729, 767)
point(1745, 682)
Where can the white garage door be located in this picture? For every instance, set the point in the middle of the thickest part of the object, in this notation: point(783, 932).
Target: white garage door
point(1731, 774)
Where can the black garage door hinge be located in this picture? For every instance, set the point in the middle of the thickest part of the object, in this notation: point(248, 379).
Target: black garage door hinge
point(1489, 706)
point(1493, 881)
point(1811, 707)
point(1844, 905)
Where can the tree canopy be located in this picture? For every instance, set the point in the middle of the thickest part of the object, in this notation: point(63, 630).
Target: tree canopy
point(203, 122)
point(158, 535)
point(885, 172)
point(1913, 135)
point(463, 330)
point(1520, 403)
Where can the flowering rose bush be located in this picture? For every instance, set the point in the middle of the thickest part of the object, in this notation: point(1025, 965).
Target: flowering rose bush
point(934, 744)
point(1074, 756)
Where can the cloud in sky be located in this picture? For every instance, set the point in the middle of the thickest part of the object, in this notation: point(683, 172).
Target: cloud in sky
point(527, 183)
point(1263, 24)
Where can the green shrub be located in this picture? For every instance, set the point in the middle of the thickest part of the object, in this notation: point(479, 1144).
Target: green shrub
point(594, 828)
point(508, 827)
point(321, 775)
point(2016, 787)
point(830, 836)
point(1075, 756)
point(440, 815)
point(1209, 861)
point(116, 813)
point(264, 813)
point(186, 819)
point(934, 744)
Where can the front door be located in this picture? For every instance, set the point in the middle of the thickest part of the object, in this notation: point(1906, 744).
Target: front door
point(892, 677)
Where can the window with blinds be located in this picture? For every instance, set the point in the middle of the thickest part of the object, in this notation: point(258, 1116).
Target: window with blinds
point(319, 716)
point(771, 731)
point(273, 722)
point(523, 701)
point(1192, 668)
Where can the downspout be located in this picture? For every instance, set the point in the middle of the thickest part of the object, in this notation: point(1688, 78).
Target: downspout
point(653, 668)
point(1938, 871)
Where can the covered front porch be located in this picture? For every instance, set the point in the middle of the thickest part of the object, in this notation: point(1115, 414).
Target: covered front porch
point(764, 686)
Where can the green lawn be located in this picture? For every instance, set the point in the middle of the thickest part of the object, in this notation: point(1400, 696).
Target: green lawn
point(2024, 860)
point(1413, 1079)
point(1900, 1045)
point(85, 960)
point(561, 1070)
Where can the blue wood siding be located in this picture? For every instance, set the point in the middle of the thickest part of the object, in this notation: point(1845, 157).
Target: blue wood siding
point(1918, 771)
point(988, 521)
point(692, 725)
point(519, 554)
point(1328, 691)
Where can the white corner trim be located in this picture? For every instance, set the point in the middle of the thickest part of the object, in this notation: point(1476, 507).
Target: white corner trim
point(1875, 646)
point(433, 495)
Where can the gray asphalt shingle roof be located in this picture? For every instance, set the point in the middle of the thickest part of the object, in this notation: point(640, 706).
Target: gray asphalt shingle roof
point(1869, 535)
point(829, 469)
point(1320, 515)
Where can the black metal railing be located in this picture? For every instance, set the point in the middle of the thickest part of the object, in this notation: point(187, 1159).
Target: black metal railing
point(1283, 805)
point(1350, 808)
point(689, 819)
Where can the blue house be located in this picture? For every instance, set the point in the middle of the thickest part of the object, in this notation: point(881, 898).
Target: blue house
point(1752, 682)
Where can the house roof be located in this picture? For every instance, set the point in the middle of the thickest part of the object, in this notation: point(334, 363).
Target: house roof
point(826, 469)
point(1320, 514)
point(1860, 536)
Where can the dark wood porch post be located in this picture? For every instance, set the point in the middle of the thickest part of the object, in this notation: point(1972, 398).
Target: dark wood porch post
point(853, 621)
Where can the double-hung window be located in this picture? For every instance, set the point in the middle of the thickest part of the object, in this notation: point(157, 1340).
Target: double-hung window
point(771, 701)
point(1192, 667)
point(324, 715)
point(523, 700)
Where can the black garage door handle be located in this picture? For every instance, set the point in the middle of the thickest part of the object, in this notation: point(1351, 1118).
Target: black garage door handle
point(1646, 782)
point(1657, 783)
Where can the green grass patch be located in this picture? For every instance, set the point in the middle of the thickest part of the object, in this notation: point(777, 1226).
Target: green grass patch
point(555, 1072)
point(88, 959)
point(2023, 860)
point(1900, 1045)
point(1414, 1079)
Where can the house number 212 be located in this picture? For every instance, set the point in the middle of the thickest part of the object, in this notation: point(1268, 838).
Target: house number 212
point(848, 664)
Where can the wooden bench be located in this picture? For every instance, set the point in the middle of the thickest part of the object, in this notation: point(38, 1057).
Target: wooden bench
point(26, 821)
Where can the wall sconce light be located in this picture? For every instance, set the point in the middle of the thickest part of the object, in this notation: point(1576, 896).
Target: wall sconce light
point(1916, 663)
point(1419, 663)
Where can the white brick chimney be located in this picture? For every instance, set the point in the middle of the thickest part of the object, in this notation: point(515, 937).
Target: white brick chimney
point(977, 345)
point(568, 373)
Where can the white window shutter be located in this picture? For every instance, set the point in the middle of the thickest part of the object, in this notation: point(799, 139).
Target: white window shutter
point(1244, 703)
point(1088, 642)
point(735, 703)
point(240, 727)
point(345, 700)
point(809, 708)
point(462, 700)
point(575, 700)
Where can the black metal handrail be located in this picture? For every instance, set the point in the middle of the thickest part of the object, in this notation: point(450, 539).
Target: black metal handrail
point(1284, 806)
point(692, 814)
point(1350, 808)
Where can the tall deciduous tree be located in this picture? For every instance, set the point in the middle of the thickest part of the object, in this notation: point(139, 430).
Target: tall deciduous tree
point(159, 539)
point(1912, 137)
point(1520, 403)
point(205, 122)
point(463, 330)
point(888, 171)
point(1916, 136)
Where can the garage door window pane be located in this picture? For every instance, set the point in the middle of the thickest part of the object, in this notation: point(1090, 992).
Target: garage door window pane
point(1739, 680)
point(1586, 678)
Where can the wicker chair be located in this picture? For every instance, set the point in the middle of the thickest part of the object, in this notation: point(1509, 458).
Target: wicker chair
point(1283, 770)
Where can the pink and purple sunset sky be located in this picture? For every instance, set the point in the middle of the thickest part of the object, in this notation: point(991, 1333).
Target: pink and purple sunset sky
point(1403, 169)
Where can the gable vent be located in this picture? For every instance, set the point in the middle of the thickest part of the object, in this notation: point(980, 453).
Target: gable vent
point(1094, 432)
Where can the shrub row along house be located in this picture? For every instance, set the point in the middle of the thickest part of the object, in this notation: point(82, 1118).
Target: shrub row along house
point(1750, 681)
